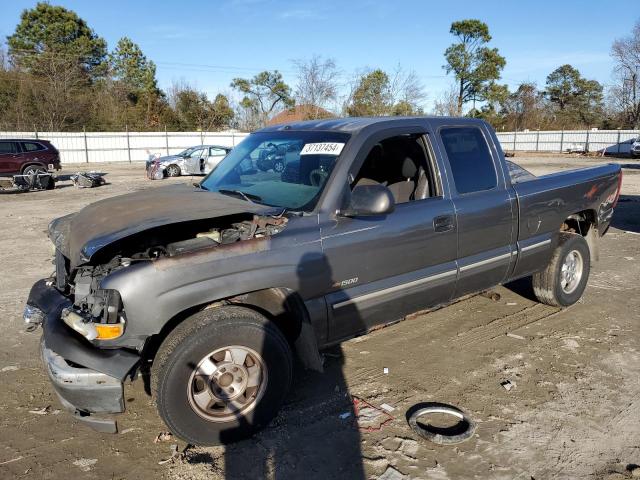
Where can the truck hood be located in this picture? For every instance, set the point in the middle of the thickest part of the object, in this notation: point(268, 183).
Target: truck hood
point(80, 235)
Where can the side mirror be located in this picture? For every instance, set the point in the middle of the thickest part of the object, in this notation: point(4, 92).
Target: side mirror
point(369, 200)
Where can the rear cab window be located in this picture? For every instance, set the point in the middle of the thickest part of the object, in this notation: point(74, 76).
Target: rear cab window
point(470, 159)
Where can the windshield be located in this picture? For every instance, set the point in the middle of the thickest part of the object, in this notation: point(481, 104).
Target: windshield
point(187, 152)
point(281, 169)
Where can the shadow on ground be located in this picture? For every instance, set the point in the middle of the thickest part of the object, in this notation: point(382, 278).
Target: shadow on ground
point(627, 214)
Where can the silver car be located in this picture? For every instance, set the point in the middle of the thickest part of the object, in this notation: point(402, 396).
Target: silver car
point(198, 160)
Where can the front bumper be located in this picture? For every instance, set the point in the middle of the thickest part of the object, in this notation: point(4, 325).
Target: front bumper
point(88, 380)
point(84, 392)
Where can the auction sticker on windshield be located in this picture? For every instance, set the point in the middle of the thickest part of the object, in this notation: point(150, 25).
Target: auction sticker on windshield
point(324, 148)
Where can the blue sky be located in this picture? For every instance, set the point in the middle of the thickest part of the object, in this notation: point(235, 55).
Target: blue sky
point(207, 43)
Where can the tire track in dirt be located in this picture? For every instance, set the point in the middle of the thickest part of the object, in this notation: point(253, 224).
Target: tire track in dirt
point(502, 325)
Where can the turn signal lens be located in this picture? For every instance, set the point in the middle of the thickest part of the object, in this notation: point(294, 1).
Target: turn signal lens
point(109, 331)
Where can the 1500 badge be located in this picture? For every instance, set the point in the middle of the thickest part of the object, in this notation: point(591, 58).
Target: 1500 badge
point(346, 283)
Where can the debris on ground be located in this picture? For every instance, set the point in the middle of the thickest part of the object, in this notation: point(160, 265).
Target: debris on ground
point(45, 411)
point(507, 384)
point(392, 474)
point(9, 368)
point(387, 407)
point(162, 437)
point(85, 464)
point(491, 295)
point(511, 304)
point(175, 455)
point(369, 418)
point(344, 415)
point(514, 335)
point(87, 179)
point(385, 370)
point(25, 183)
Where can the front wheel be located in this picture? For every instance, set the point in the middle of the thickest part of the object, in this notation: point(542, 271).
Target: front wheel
point(221, 375)
point(278, 166)
point(563, 281)
point(173, 171)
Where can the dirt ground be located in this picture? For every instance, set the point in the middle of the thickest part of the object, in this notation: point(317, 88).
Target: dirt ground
point(574, 410)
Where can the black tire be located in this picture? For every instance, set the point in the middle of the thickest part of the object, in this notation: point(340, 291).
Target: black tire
point(33, 169)
point(548, 283)
point(278, 166)
point(192, 341)
point(461, 431)
point(173, 171)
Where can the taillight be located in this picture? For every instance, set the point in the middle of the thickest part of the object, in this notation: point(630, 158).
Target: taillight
point(615, 202)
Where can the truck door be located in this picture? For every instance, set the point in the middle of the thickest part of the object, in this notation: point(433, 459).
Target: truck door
point(484, 208)
point(387, 266)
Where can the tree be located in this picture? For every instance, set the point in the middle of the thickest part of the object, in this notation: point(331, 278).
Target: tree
point(317, 84)
point(446, 105)
point(474, 65)
point(47, 30)
point(131, 67)
point(578, 100)
point(626, 92)
point(263, 94)
point(372, 96)
point(193, 110)
point(407, 92)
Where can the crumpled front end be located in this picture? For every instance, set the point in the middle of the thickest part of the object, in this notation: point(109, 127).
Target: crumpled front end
point(87, 380)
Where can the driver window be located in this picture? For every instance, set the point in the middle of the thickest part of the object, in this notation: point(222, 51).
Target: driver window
point(402, 164)
point(196, 153)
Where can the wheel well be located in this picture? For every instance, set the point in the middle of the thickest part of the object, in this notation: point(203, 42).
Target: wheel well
point(584, 223)
point(580, 222)
point(282, 306)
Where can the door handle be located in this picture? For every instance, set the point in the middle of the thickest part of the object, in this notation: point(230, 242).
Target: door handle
point(444, 223)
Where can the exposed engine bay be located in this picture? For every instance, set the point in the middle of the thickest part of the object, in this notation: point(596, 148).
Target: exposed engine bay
point(92, 304)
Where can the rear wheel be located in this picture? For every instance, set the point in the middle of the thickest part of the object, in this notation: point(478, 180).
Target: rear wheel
point(563, 281)
point(173, 171)
point(221, 375)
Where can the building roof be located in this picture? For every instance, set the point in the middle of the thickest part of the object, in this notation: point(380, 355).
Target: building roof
point(299, 113)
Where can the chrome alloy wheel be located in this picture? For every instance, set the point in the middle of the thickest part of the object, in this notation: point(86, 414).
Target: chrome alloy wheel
point(571, 271)
point(227, 383)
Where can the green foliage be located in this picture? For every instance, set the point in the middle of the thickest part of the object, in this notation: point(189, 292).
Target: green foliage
point(264, 94)
point(49, 30)
point(475, 66)
point(194, 111)
point(576, 98)
point(372, 96)
point(131, 67)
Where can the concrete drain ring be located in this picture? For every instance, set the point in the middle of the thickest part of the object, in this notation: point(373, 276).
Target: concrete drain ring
point(461, 431)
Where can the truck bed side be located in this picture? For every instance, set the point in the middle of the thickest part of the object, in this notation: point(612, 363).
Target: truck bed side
point(545, 202)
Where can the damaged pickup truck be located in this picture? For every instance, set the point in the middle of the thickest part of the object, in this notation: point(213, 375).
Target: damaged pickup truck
point(210, 291)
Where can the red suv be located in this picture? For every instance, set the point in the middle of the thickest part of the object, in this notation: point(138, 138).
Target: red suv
point(27, 157)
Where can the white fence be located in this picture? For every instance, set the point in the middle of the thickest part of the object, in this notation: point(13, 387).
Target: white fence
point(612, 142)
point(81, 147)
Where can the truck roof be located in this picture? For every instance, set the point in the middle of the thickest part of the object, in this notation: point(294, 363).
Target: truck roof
point(356, 124)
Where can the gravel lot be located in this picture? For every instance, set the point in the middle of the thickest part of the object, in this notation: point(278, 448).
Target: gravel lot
point(573, 413)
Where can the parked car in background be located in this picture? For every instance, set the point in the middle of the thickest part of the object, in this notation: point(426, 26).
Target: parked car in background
point(276, 156)
point(635, 147)
point(199, 160)
point(27, 157)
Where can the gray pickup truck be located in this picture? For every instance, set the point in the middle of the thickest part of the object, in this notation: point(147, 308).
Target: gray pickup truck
point(208, 291)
